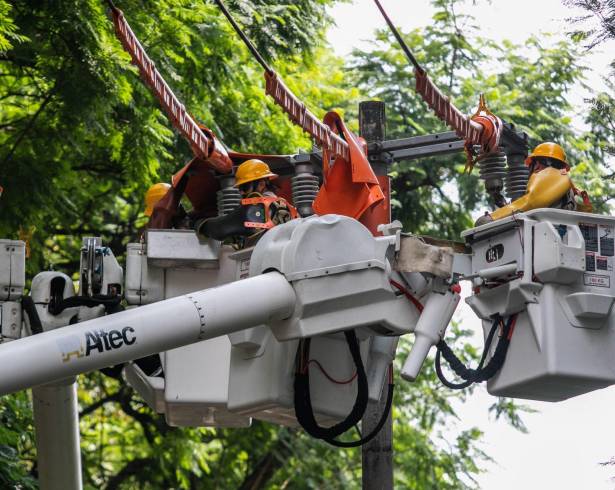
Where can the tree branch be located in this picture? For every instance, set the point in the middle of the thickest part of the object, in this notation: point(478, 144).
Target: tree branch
point(114, 397)
point(264, 470)
point(145, 421)
point(130, 469)
point(30, 124)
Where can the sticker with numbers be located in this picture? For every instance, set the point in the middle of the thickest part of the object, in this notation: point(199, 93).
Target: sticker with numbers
point(597, 281)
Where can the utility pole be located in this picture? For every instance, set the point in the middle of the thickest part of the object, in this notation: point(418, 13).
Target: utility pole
point(377, 454)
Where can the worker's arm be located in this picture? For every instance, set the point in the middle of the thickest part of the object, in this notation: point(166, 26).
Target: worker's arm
point(543, 190)
point(222, 227)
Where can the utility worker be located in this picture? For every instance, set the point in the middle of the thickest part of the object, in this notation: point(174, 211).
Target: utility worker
point(153, 195)
point(179, 219)
point(549, 185)
point(255, 176)
point(260, 209)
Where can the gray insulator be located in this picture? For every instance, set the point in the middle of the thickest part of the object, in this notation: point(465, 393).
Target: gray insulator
point(305, 188)
point(492, 169)
point(518, 175)
point(228, 199)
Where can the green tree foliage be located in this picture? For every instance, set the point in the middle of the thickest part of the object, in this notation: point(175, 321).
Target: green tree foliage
point(82, 138)
point(16, 442)
point(8, 33)
point(601, 17)
point(594, 30)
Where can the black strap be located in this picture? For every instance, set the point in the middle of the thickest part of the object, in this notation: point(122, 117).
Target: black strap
point(303, 403)
point(481, 373)
point(112, 5)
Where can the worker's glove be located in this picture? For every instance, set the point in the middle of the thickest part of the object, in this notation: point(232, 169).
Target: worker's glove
point(280, 213)
point(222, 227)
point(483, 220)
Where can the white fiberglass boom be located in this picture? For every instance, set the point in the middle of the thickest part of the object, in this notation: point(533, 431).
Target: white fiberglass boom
point(136, 333)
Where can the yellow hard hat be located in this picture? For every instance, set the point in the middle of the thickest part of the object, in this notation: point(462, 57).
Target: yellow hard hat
point(550, 150)
point(252, 170)
point(153, 195)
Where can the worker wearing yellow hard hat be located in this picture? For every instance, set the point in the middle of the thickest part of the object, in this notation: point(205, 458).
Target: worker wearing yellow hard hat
point(549, 185)
point(153, 195)
point(260, 209)
point(547, 155)
point(255, 176)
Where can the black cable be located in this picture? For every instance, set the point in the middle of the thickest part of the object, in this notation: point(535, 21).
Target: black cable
point(375, 431)
point(499, 356)
point(245, 38)
point(302, 398)
point(480, 374)
point(456, 363)
point(401, 42)
point(108, 301)
point(35, 322)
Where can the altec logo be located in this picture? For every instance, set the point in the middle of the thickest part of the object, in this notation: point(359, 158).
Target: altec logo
point(102, 341)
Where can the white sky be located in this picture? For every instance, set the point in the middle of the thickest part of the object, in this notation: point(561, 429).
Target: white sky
point(567, 440)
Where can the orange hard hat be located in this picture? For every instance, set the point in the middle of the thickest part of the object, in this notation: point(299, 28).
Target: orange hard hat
point(548, 150)
point(252, 170)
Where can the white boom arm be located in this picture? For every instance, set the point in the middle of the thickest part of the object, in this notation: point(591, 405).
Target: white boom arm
point(94, 344)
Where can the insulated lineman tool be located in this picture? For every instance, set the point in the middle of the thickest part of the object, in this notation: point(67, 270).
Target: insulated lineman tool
point(484, 128)
point(203, 142)
point(349, 188)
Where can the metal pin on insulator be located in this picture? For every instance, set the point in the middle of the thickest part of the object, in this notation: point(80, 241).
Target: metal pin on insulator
point(228, 197)
point(305, 187)
point(492, 170)
point(518, 175)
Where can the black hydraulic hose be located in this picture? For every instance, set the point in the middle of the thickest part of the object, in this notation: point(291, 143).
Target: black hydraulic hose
point(30, 308)
point(456, 363)
point(303, 403)
point(480, 374)
point(400, 40)
point(499, 356)
point(245, 38)
point(108, 301)
point(376, 430)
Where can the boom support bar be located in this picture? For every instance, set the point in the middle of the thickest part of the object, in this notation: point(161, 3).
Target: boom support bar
point(142, 331)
